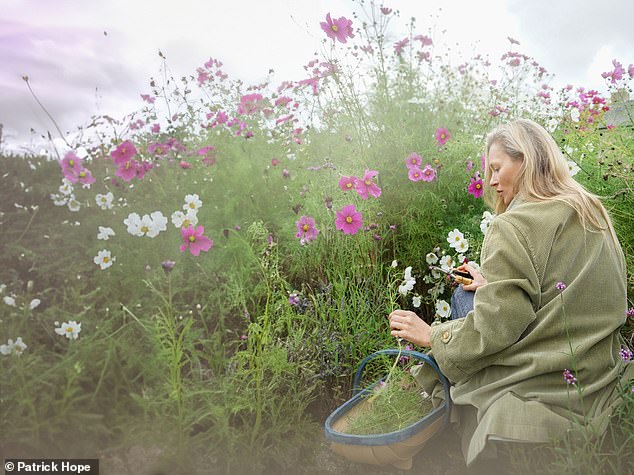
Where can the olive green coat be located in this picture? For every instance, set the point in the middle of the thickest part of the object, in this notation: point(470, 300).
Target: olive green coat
point(506, 359)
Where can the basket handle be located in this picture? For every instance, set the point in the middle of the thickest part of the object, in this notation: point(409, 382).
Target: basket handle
point(403, 352)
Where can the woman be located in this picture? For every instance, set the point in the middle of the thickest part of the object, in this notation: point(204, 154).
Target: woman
point(540, 349)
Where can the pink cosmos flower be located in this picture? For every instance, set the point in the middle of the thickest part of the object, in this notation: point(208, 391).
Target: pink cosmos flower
point(339, 29)
point(142, 168)
point(347, 183)
point(414, 160)
point(71, 166)
point(476, 187)
point(442, 136)
point(185, 165)
point(194, 240)
point(156, 128)
point(124, 152)
point(399, 45)
point(349, 220)
point(429, 173)
point(250, 103)
point(424, 40)
point(127, 170)
point(386, 10)
point(630, 70)
point(147, 98)
point(616, 74)
point(366, 186)
point(85, 177)
point(415, 174)
point(306, 229)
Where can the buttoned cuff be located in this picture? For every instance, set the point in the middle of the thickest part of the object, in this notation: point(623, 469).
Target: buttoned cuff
point(441, 336)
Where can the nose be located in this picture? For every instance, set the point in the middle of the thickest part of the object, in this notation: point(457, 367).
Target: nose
point(494, 180)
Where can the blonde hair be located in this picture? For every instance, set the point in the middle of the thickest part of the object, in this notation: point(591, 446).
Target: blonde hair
point(544, 173)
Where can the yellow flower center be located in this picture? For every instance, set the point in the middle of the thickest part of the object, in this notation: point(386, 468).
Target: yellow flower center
point(335, 28)
point(348, 219)
point(478, 186)
point(71, 163)
point(106, 259)
point(192, 238)
point(348, 185)
point(368, 182)
point(457, 238)
point(144, 229)
point(305, 227)
point(192, 205)
point(127, 165)
point(82, 174)
point(69, 330)
point(416, 175)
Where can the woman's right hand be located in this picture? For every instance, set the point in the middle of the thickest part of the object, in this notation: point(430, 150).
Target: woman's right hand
point(478, 278)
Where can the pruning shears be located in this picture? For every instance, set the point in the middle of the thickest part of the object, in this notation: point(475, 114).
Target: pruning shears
point(459, 276)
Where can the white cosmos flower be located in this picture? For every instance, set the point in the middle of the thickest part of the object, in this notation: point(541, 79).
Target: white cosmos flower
point(461, 247)
point(69, 329)
point(59, 200)
point(34, 304)
point(105, 233)
point(573, 168)
point(133, 222)
point(443, 309)
point(104, 259)
point(575, 114)
point(184, 220)
point(447, 263)
point(431, 258)
point(416, 301)
point(160, 221)
point(487, 219)
point(104, 201)
point(408, 282)
point(394, 264)
point(12, 347)
point(66, 188)
point(73, 204)
point(454, 238)
point(192, 202)
point(10, 301)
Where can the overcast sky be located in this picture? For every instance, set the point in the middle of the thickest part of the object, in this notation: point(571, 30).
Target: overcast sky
point(86, 57)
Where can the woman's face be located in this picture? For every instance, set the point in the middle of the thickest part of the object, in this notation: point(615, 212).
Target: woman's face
point(504, 170)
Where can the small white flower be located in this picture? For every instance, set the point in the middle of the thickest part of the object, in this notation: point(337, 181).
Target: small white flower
point(575, 114)
point(573, 168)
point(105, 233)
point(66, 188)
point(133, 222)
point(34, 304)
point(416, 301)
point(104, 259)
point(2, 287)
point(431, 258)
point(10, 301)
point(407, 275)
point(104, 201)
point(192, 202)
point(69, 329)
point(408, 282)
point(487, 219)
point(74, 205)
point(394, 264)
point(443, 309)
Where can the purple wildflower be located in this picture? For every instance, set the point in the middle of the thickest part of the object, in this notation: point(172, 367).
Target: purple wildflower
point(569, 377)
point(626, 354)
point(560, 286)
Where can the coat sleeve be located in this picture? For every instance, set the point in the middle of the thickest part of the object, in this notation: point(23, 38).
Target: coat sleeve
point(503, 310)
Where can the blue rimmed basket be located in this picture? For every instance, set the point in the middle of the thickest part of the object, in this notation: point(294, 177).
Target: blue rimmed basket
point(393, 448)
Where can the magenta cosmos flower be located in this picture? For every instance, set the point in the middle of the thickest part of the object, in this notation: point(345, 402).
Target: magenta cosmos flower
point(442, 136)
point(194, 240)
point(349, 220)
point(415, 174)
point(124, 152)
point(476, 187)
point(306, 229)
point(127, 170)
point(429, 173)
point(71, 166)
point(414, 160)
point(347, 183)
point(339, 29)
point(366, 186)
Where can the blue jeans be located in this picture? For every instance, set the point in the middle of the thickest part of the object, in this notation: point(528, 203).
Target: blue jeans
point(461, 302)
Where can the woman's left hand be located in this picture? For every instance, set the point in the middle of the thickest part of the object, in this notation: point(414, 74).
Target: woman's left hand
point(409, 326)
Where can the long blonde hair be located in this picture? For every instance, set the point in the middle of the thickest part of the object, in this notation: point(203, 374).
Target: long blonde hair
point(544, 174)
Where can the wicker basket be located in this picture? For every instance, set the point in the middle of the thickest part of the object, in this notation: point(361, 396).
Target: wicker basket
point(394, 448)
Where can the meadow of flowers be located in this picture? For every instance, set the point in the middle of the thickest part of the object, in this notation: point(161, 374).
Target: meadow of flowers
point(193, 285)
